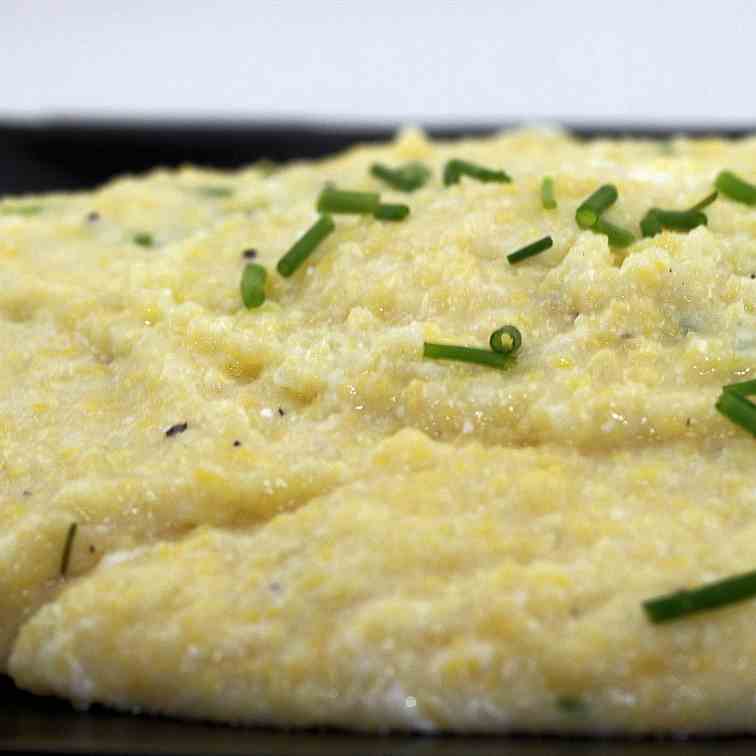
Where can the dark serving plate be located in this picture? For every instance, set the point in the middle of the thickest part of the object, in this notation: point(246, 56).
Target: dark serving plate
point(68, 154)
point(32, 725)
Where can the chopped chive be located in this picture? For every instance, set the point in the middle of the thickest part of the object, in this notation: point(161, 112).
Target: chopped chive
point(650, 224)
point(531, 249)
point(497, 344)
point(657, 219)
point(215, 191)
point(705, 202)
point(406, 178)
point(711, 596)
point(589, 211)
point(499, 356)
point(547, 193)
point(733, 404)
point(455, 169)
point(681, 220)
point(22, 210)
point(305, 245)
point(736, 188)
point(391, 212)
point(339, 201)
point(253, 285)
point(618, 237)
point(466, 354)
point(67, 547)
point(744, 388)
point(143, 239)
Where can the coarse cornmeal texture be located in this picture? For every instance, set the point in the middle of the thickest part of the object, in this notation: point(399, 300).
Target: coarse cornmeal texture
point(345, 533)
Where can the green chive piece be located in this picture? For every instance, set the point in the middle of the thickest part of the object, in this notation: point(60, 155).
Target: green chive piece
point(143, 239)
point(22, 210)
point(455, 169)
point(499, 356)
point(467, 354)
point(253, 285)
point(497, 344)
point(531, 249)
point(705, 202)
point(681, 220)
point(571, 704)
point(651, 225)
point(657, 219)
point(215, 191)
point(406, 178)
point(618, 237)
point(736, 188)
point(735, 407)
point(353, 203)
point(547, 193)
point(744, 388)
point(714, 595)
point(391, 212)
point(305, 245)
point(67, 547)
point(590, 210)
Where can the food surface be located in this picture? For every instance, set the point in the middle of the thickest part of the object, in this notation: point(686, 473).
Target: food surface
point(251, 492)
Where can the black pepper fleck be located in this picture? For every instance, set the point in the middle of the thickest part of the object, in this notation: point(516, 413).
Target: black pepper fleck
point(753, 275)
point(91, 549)
point(174, 430)
point(237, 443)
point(67, 548)
point(93, 217)
point(26, 493)
point(688, 422)
point(249, 254)
point(281, 412)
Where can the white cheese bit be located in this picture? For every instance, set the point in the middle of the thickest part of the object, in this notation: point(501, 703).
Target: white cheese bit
point(266, 412)
point(118, 557)
point(401, 708)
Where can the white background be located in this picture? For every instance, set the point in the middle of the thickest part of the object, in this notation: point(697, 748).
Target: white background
point(383, 60)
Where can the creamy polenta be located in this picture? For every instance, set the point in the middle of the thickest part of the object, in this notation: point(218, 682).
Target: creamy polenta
point(286, 515)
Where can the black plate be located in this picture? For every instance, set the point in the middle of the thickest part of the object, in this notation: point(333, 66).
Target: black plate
point(64, 153)
point(30, 724)
point(39, 156)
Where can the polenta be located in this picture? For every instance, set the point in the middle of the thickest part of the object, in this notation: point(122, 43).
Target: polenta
point(286, 514)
